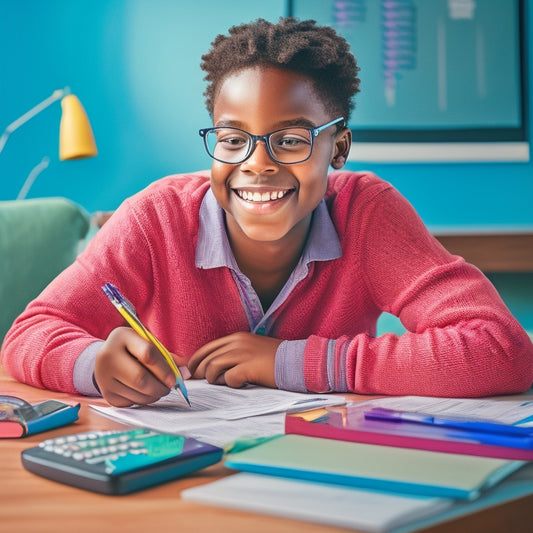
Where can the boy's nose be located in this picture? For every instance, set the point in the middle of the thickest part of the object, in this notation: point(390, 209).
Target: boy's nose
point(259, 161)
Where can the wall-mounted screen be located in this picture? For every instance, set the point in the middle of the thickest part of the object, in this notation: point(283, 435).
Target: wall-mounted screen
point(441, 80)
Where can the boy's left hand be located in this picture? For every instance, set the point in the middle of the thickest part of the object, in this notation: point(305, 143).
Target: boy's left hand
point(236, 360)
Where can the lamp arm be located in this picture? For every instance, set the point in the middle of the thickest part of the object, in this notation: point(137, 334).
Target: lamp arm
point(32, 176)
point(56, 95)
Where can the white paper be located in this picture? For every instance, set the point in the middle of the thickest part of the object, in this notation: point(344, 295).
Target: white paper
point(220, 415)
point(493, 410)
point(365, 510)
point(347, 507)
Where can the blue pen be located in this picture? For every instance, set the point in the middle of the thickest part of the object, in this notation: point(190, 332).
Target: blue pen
point(481, 426)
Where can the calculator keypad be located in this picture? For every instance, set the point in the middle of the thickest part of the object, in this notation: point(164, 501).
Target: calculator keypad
point(120, 461)
point(100, 446)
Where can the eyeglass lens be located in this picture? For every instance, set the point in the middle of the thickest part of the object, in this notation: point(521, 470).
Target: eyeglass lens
point(231, 145)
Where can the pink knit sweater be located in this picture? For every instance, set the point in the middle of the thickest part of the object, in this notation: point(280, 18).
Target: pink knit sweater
point(461, 339)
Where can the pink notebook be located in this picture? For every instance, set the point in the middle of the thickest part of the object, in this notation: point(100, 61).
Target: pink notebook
point(348, 423)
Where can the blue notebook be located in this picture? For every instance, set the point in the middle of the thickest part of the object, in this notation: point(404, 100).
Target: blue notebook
point(371, 466)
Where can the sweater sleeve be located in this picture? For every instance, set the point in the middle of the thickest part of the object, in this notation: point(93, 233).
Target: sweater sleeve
point(461, 340)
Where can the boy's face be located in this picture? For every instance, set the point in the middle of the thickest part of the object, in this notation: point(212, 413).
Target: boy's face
point(260, 101)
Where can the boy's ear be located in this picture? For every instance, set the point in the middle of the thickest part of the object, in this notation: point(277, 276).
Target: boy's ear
point(343, 143)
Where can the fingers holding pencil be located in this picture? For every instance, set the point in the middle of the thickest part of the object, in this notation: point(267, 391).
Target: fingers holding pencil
point(130, 370)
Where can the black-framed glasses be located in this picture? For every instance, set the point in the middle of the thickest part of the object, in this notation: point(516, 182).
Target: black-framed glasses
point(286, 146)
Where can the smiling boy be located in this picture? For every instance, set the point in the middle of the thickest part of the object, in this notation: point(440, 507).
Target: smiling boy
point(268, 270)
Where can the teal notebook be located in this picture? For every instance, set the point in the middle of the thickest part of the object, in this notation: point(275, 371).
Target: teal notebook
point(376, 467)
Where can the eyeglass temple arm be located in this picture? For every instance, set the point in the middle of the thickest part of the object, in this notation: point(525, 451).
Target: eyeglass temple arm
point(316, 131)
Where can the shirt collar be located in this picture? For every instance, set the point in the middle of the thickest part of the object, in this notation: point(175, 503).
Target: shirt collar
point(213, 249)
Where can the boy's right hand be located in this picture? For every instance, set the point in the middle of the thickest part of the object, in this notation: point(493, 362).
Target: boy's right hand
point(130, 370)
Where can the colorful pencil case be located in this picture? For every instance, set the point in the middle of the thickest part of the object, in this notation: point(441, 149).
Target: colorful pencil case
point(18, 418)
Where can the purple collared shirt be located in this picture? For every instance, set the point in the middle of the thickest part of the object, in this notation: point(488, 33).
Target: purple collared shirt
point(213, 251)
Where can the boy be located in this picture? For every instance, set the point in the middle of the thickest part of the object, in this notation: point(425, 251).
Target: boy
point(268, 271)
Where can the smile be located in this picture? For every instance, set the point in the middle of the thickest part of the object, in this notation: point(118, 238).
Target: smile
point(266, 196)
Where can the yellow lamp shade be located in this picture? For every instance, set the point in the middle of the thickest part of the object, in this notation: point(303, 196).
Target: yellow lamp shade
point(76, 139)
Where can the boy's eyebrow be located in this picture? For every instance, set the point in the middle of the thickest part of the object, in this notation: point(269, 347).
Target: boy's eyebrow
point(299, 121)
point(228, 124)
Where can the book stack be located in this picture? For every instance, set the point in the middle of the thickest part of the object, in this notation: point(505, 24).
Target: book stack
point(374, 467)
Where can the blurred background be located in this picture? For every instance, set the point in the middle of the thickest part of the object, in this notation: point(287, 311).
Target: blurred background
point(134, 65)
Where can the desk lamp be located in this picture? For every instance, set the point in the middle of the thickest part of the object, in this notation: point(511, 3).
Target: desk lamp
point(76, 139)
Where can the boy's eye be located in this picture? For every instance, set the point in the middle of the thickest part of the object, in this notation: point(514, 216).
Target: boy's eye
point(291, 140)
point(232, 140)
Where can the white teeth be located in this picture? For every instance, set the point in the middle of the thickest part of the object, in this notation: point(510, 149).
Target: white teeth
point(261, 197)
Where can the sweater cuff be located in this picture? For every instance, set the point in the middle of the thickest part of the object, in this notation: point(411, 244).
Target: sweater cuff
point(325, 365)
point(84, 370)
point(289, 366)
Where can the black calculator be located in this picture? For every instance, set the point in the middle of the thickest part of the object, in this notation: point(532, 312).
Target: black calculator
point(118, 462)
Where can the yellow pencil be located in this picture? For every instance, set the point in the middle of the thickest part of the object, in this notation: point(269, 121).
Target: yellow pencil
point(126, 309)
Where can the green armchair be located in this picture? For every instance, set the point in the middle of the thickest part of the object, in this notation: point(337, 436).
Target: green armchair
point(38, 239)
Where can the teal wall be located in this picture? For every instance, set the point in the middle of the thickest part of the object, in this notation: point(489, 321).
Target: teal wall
point(134, 64)
point(470, 194)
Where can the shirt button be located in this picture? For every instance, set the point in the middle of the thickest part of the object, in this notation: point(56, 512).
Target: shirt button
point(260, 330)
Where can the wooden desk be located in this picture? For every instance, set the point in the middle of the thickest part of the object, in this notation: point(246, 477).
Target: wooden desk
point(492, 252)
point(30, 504)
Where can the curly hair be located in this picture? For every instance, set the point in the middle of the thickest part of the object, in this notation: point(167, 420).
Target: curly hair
point(299, 46)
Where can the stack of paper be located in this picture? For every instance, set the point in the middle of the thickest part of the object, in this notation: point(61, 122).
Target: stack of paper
point(221, 415)
point(349, 507)
point(317, 502)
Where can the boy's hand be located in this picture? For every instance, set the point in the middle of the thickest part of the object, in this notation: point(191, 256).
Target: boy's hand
point(236, 360)
point(130, 370)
